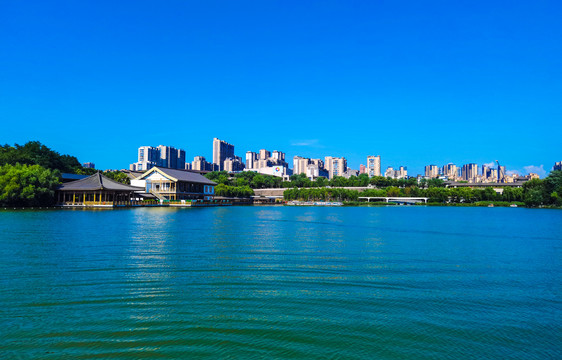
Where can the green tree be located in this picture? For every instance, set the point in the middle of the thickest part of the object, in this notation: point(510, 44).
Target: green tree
point(27, 185)
point(534, 193)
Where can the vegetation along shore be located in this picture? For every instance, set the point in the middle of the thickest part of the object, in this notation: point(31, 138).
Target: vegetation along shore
point(31, 173)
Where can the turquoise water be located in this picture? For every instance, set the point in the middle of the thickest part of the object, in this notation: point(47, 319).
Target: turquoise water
point(281, 282)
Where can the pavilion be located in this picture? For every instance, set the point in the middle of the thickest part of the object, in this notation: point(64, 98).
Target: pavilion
point(96, 190)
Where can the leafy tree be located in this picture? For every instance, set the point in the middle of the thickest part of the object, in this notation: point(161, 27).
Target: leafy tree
point(35, 153)
point(118, 176)
point(27, 185)
point(534, 193)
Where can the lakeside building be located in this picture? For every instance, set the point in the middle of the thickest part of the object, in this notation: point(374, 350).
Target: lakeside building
point(173, 184)
point(336, 166)
point(221, 151)
point(374, 165)
point(163, 156)
point(431, 171)
point(558, 165)
point(96, 190)
point(89, 165)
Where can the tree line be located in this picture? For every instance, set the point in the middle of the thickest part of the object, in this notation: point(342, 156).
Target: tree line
point(534, 193)
point(30, 174)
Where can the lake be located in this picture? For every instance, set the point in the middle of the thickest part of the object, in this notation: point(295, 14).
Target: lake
point(397, 282)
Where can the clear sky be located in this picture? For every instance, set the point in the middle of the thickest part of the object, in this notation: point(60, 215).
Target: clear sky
point(417, 82)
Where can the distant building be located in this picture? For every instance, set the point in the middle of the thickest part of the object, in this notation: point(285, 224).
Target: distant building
point(450, 171)
point(265, 159)
point(431, 171)
point(389, 173)
point(374, 165)
point(469, 172)
point(199, 163)
point(251, 160)
point(300, 165)
point(558, 165)
point(336, 166)
point(350, 172)
point(401, 173)
point(362, 169)
point(89, 165)
point(221, 151)
point(233, 164)
point(163, 156)
point(314, 171)
point(276, 170)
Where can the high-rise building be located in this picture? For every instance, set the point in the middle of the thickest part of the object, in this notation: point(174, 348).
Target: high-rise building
point(163, 156)
point(201, 164)
point(171, 157)
point(362, 169)
point(251, 160)
point(389, 173)
point(469, 172)
point(221, 151)
point(431, 171)
point(401, 173)
point(374, 165)
point(335, 166)
point(300, 165)
point(558, 165)
point(233, 164)
point(450, 170)
point(278, 156)
point(264, 154)
point(89, 165)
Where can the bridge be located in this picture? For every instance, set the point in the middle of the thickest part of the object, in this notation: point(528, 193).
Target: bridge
point(396, 199)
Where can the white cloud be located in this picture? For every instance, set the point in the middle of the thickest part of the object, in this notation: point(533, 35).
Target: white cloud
point(535, 169)
point(490, 164)
point(512, 172)
point(311, 142)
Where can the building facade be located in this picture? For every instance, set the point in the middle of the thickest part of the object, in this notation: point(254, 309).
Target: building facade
point(469, 172)
point(558, 165)
point(336, 166)
point(233, 164)
point(374, 165)
point(300, 165)
point(221, 151)
point(163, 156)
point(431, 171)
point(450, 171)
point(199, 163)
point(173, 184)
point(251, 160)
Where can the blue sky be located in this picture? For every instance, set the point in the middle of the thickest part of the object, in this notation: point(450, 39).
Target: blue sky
point(415, 82)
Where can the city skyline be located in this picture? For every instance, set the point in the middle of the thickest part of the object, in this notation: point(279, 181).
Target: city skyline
point(416, 83)
point(264, 161)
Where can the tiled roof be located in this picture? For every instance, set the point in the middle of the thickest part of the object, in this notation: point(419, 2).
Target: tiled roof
point(183, 175)
point(97, 182)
